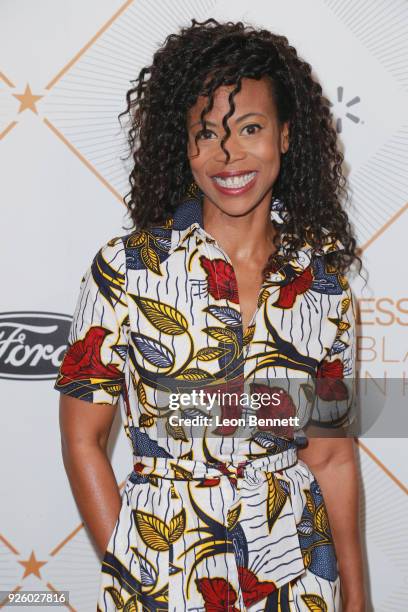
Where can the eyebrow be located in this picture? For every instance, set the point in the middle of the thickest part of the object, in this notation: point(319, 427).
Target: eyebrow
point(242, 118)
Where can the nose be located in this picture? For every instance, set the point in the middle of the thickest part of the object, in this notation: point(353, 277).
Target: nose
point(235, 150)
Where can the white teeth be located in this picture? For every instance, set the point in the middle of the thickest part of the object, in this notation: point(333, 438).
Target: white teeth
point(234, 182)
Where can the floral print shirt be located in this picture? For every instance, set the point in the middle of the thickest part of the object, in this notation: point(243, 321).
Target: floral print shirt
point(161, 305)
point(158, 310)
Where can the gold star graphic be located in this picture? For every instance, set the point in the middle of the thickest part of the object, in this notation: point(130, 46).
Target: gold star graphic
point(32, 566)
point(27, 100)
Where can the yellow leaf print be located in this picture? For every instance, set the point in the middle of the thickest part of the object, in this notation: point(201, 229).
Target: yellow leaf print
point(343, 326)
point(112, 388)
point(153, 531)
point(309, 502)
point(276, 499)
point(116, 596)
point(307, 558)
point(248, 335)
point(263, 297)
point(210, 353)
point(315, 603)
point(222, 335)
point(345, 305)
point(137, 239)
point(165, 318)
point(194, 374)
point(321, 520)
point(150, 259)
point(176, 432)
point(141, 393)
point(177, 526)
point(146, 420)
point(232, 517)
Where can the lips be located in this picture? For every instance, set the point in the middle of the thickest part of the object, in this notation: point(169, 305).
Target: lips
point(235, 183)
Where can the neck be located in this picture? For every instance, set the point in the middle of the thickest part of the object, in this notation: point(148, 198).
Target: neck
point(244, 237)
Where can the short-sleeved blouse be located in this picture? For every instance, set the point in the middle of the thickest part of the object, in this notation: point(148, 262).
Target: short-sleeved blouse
point(159, 308)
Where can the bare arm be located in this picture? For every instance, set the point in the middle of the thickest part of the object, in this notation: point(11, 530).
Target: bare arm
point(85, 431)
point(333, 462)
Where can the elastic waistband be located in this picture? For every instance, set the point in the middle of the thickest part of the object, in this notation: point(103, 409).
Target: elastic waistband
point(187, 469)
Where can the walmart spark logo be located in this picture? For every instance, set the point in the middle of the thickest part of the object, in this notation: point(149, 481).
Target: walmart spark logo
point(342, 109)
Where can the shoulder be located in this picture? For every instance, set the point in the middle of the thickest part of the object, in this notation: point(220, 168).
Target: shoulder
point(141, 249)
point(328, 279)
point(107, 271)
point(146, 249)
point(112, 253)
point(113, 248)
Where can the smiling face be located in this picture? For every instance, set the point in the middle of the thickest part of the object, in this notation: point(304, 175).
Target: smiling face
point(255, 145)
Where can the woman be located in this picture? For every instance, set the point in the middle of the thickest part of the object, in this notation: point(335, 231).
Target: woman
point(233, 274)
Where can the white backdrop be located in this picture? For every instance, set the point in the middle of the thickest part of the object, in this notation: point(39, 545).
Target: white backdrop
point(65, 67)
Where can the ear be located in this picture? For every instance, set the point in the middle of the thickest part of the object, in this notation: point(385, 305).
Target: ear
point(284, 137)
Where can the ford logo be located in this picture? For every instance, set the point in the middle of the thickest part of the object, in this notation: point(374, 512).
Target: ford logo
point(32, 344)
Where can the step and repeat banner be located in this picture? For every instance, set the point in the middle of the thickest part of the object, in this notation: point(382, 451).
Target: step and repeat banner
point(64, 71)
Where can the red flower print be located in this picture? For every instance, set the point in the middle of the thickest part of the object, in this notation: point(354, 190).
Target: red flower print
point(224, 469)
point(253, 590)
point(138, 467)
point(218, 594)
point(221, 279)
point(282, 410)
point(209, 482)
point(300, 284)
point(329, 384)
point(83, 359)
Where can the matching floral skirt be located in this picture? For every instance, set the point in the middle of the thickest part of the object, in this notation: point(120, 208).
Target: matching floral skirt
point(192, 536)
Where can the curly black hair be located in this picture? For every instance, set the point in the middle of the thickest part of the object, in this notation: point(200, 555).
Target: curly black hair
point(196, 61)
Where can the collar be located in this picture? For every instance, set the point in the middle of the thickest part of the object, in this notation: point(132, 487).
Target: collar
point(188, 218)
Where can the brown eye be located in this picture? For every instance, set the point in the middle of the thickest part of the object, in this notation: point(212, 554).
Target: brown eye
point(204, 134)
point(252, 128)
